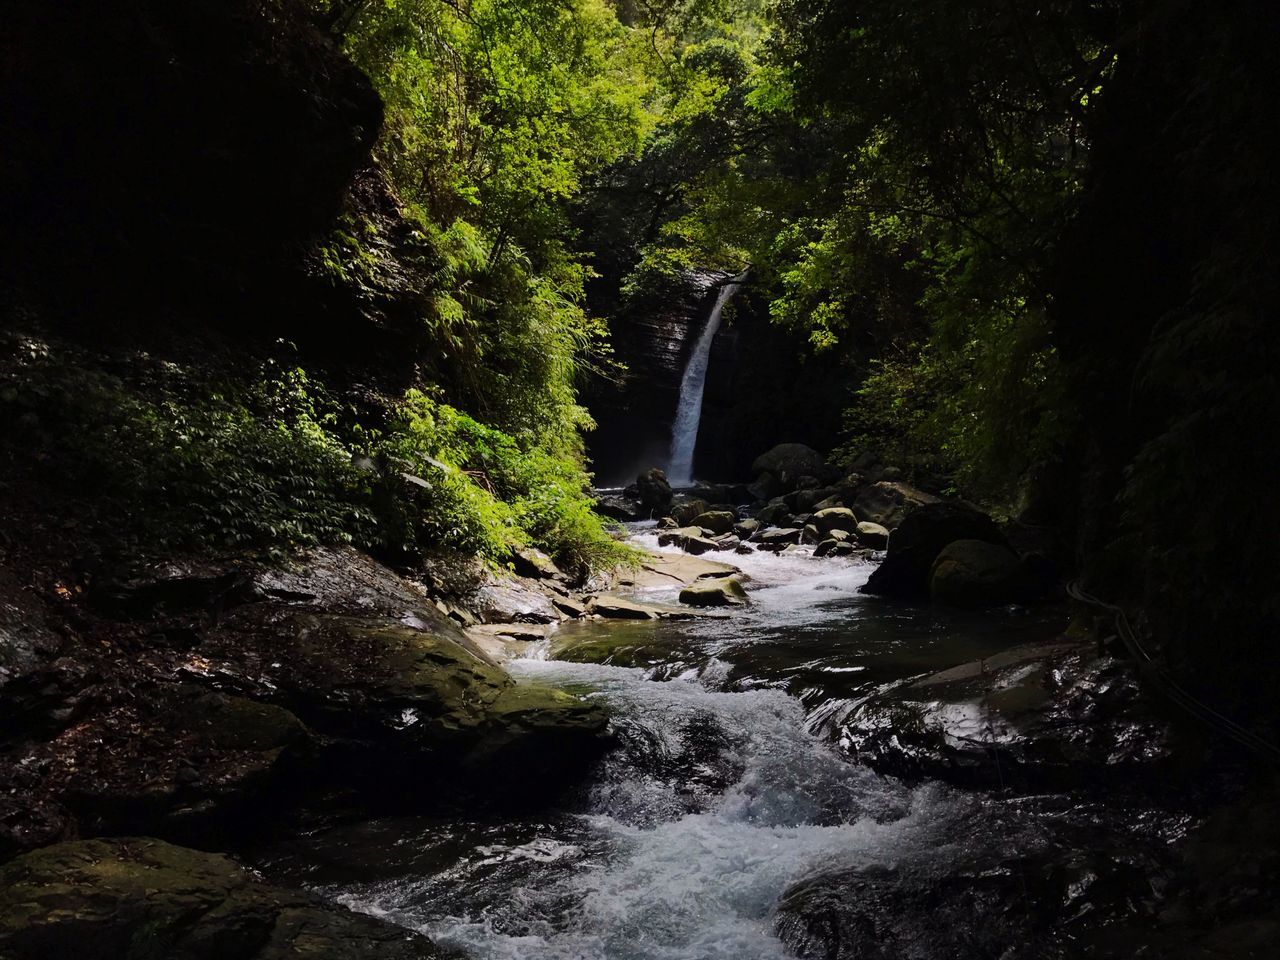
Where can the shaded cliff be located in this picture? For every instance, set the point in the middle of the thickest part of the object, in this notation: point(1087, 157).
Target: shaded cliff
point(764, 386)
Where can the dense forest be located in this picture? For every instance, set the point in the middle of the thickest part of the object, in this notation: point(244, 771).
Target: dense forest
point(280, 276)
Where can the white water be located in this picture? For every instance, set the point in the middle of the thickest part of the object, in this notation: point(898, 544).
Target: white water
point(684, 431)
point(691, 833)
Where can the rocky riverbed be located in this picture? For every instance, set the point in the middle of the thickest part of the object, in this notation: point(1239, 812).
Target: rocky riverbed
point(749, 750)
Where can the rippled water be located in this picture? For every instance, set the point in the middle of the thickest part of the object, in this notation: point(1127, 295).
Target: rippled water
point(725, 791)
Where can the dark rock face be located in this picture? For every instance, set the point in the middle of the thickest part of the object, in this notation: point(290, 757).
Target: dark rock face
point(653, 490)
point(973, 573)
point(653, 339)
point(915, 545)
point(790, 463)
point(1055, 715)
point(138, 899)
point(889, 502)
point(214, 138)
point(997, 907)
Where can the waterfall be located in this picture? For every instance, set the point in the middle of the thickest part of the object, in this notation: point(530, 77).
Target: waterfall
point(684, 432)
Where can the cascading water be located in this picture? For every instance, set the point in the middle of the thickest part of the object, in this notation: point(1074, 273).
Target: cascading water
point(724, 797)
point(684, 431)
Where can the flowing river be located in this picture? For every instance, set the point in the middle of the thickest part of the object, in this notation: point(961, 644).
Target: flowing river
point(729, 788)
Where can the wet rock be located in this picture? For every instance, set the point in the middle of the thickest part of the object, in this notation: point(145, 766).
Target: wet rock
point(746, 529)
point(689, 539)
point(722, 592)
point(889, 503)
point(140, 898)
point(836, 518)
point(528, 632)
point(401, 704)
point(569, 606)
point(653, 490)
point(668, 523)
point(619, 608)
point(811, 534)
point(806, 500)
point(684, 513)
point(990, 906)
point(834, 548)
point(344, 580)
point(915, 545)
point(778, 539)
point(670, 570)
point(175, 586)
point(716, 521)
point(827, 504)
point(788, 462)
point(872, 535)
point(507, 600)
point(1054, 715)
point(619, 508)
point(974, 573)
point(774, 513)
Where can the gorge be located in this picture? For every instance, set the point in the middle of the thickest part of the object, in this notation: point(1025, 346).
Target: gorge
point(422, 538)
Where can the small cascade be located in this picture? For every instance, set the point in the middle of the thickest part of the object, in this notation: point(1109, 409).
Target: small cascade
point(684, 431)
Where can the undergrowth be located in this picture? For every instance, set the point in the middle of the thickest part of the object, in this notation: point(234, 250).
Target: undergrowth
point(162, 457)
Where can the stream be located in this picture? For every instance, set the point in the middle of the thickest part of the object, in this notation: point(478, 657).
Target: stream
point(730, 787)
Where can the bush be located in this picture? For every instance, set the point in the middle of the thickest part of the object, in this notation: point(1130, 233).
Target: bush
point(167, 460)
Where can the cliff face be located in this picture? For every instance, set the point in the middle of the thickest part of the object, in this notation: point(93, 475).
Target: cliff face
point(763, 387)
point(634, 414)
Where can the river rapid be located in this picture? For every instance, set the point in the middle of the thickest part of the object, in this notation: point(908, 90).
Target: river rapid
point(729, 788)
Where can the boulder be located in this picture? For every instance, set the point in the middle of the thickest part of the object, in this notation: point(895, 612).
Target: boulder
point(807, 500)
point(780, 536)
point(653, 491)
point(811, 534)
point(746, 529)
point(915, 545)
point(504, 599)
point(140, 898)
point(974, 573)
point(717, 521)
point(722, 592)
point(685, 512)
point(774, 513)
point(398, 705)
point(689, 539)
point(670, 570)
point(832, 548)
point(832, 501)
point(836, 518)
point(788, 462)
point(872, 535)
point(619, 608)
point(619, 508)
point(889, 502)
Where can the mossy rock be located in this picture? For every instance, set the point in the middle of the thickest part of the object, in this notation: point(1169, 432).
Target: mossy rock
point(143, 899)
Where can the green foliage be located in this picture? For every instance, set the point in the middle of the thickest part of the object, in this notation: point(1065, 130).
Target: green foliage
point(191, 465)
point(485, 493)
point(270, 463)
